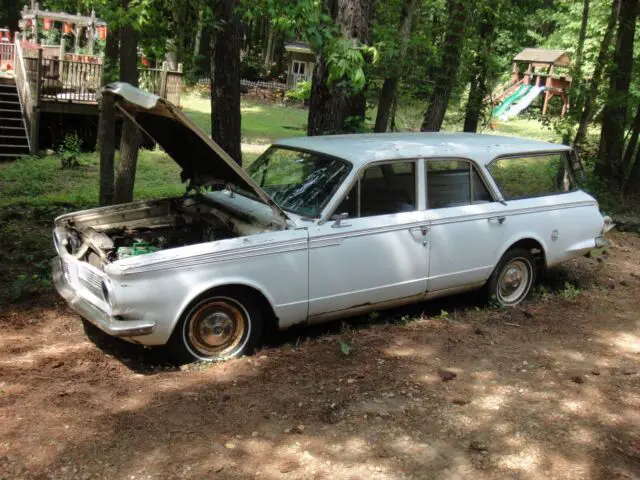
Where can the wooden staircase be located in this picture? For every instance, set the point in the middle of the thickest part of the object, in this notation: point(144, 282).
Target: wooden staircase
point(14, 141)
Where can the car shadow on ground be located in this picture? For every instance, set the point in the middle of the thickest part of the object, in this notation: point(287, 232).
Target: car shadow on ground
point(150, 361)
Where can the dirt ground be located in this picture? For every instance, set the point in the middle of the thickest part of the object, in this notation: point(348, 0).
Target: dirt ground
point(548, 390)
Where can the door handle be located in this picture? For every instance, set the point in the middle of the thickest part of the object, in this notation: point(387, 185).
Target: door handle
point(423, 229)
point(501, 219)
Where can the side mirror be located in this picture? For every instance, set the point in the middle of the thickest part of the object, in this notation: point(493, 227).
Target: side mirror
point(338, 218)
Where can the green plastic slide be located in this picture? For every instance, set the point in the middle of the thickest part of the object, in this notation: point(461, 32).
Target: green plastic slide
point(506, 104)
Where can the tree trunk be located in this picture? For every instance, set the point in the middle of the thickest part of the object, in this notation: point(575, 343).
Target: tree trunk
point(196, 44)
point(385, 102)
point(112, 56)
point(634, 178)
point(106, 140)
point(225, 78)
point(130, 141)
point(601, 62)
point(390, 86)
point(628, 166)
point(448, 72)
point(478, 88)
point(614, 117)
point(329, 109)
point(577, 69)
point(268, 57)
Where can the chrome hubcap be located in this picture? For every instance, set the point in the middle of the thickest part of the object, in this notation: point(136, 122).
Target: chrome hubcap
point(216, 328)
point(514, 281)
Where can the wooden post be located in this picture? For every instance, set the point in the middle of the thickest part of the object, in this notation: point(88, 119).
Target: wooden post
point(61, 55)
point(107, 148)
point(76, 41)
point(545, 105)
point(163, 79)
point(92, 32)
point(34, 25)
point(565, 105)
point(35, 118)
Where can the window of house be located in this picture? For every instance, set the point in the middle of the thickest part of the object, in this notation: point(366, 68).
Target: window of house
point(453, 183)
point(532, 176)
point(382, 190)
point(298, 67)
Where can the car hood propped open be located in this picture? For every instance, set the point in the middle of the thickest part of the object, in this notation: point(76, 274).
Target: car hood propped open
point(204, 163)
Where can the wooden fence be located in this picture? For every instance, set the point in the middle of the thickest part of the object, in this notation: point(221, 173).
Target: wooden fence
point(162, 82)
point(6, 55)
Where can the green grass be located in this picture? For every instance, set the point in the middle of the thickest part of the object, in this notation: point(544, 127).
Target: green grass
point(261, 123)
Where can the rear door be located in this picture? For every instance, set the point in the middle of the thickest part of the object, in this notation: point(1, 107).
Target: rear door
point(466, 225)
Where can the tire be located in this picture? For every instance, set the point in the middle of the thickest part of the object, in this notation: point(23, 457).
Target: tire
point(219, 325)
point(513, 277)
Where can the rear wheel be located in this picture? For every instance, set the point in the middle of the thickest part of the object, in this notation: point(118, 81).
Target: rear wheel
point(218, 326)
point(512, 279)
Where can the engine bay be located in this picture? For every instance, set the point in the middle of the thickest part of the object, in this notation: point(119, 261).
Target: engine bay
point(146, 227)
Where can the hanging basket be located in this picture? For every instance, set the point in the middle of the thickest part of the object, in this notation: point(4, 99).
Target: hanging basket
point(68, 28)
point(102, 33)
point(48, 24)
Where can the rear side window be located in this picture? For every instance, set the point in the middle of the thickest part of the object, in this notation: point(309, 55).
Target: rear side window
point(454, 183)
point(532, 176)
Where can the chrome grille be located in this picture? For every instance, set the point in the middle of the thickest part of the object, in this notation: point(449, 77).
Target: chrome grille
point(91, 280)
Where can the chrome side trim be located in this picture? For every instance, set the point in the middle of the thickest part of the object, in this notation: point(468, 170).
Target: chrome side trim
point(215, 257)
point(327, 239)
point(507, 212)
point(398, 302)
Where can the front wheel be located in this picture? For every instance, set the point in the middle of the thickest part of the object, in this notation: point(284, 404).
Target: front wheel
point(218, 326)
point(512, 279)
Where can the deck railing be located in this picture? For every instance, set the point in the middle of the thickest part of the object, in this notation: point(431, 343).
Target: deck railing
point(66, 81)
point(6, 54)
point(24, 89)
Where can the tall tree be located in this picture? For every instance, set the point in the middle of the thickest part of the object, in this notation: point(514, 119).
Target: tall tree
point(390, 86)
point(577, 69)
point(480, 69)
point(596, 78)
point(130, 140)
point(448, 71)
point(225, 78)
point(614, 117)
point(629, 166)
point(334, 101)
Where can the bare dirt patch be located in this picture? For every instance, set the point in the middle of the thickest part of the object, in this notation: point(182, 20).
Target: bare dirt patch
point(549, 390)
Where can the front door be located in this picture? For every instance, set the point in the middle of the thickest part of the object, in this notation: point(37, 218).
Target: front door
point(379, 252)
point(466, 225)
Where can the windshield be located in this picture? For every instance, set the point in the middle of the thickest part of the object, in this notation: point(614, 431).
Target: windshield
point(299, 182)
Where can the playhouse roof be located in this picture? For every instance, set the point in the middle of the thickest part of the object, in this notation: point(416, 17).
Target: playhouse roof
point(542, 55)
point(298, 46)
point(83, 21)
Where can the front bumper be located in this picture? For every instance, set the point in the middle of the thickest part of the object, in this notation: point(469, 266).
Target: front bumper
point(93, 314)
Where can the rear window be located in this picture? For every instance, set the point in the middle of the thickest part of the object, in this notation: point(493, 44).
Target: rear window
point(532, 176)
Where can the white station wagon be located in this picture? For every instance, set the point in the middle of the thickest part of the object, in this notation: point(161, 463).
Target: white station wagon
point(315, 229)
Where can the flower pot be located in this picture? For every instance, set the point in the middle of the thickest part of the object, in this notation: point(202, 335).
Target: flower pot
point(68, 28)
point(48, 23)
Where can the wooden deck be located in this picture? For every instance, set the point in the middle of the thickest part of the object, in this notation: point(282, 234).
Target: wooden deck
point(47, 84)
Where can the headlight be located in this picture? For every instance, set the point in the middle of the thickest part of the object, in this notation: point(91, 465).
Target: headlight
point(105, 292)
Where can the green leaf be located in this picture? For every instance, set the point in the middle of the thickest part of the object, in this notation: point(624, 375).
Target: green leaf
point(345, 348)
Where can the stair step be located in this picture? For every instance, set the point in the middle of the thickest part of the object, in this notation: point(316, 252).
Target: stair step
point(9, 102)
point(6, 145)
point(10, 119)
point(12, 136)
point(13, 155)
point(2, 127)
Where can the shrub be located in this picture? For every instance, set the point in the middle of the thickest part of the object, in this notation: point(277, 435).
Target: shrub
point(300, 94)
point(69, 150)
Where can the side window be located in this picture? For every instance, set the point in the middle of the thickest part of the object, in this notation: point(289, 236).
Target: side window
point(453, 183)
point(532, 176)
point(383, 190)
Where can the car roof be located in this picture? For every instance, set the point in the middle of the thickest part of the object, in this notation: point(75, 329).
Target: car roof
point(365, 148)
